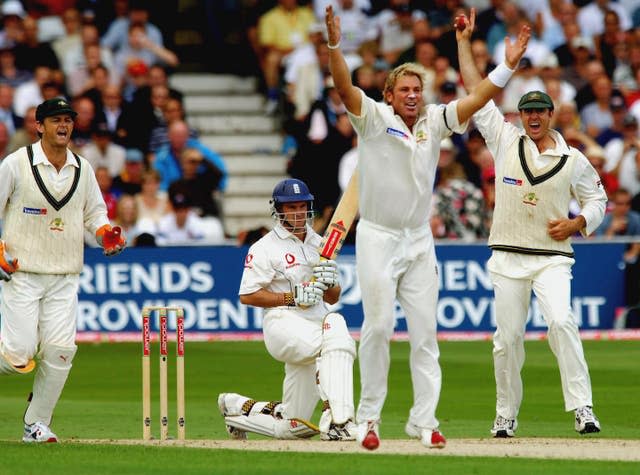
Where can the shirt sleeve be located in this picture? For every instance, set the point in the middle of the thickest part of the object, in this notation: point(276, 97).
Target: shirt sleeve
point(450, 115)
point(362, 123)
point(258, 272)
point(588, 190)
point(95, 210)
point(497, 132)
point(7, 183)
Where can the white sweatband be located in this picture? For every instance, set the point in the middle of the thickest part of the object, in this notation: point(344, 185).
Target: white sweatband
point(500, 75)
point(336, 46)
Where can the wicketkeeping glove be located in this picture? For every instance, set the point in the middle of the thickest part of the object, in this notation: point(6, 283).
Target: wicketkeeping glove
point(112, 240)
point(8, 265)
point(308, 293)
point(327, 273)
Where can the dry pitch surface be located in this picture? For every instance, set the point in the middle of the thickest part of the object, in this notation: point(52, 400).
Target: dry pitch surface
point(580, 449)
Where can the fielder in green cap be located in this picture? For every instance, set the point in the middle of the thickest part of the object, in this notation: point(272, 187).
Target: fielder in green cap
point(537, 174)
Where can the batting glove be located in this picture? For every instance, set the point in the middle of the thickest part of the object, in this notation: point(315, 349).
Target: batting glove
point(8, 265)
point(308, 293)
point(327, 273)
point(112, 240)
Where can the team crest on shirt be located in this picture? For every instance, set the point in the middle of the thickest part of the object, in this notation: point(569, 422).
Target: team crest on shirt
point(530, 199)
point(248, 261)
point(56, 224)
point(421, 136)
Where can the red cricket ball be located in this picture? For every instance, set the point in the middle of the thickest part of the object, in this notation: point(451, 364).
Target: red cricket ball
point(460, 25)
point(371, 441)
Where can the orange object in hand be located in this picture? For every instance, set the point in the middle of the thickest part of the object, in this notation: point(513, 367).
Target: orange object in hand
point(112, 238)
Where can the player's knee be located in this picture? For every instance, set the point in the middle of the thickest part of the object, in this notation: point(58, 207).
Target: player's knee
point(336, 336)
point(19, 355)
point(562, 325)
point(57, 356)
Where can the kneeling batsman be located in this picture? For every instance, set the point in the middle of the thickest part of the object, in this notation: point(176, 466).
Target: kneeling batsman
point(333, 379)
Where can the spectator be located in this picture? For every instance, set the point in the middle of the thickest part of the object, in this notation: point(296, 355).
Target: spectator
point(421, 34)
point(141, 48)
point(29, 93)
point(9, 73)
point(107, 99)
point(76, 57)
point(606, 42)
point(84, 123)
point(135, 129)
point(72, 22)
point(555, 17)
point(12, 15)
point(167, 161)
point(116, 37)
point(457, 201)
point(28, 133)
point(303, 55)
point(323, 138)
point(395, 26)
point(100, 151)
point(105, 181)
point(280, 30)
point(7, 117)
point(173, 111)
point(596, 115)
point(152, 202)
point(591, 17)
point(129, 181)
point(356, 27)
point(31, 52)
point(614, 131)
point(183, 226)
point(364, 77)
point(200, 180)
point(128, 219)
point(310, 83)
point(85, 80)
point(622, 220)
point(591, 72)
point(622, 156)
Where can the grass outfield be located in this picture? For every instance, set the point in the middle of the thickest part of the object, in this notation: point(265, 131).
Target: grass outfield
point(102, 401)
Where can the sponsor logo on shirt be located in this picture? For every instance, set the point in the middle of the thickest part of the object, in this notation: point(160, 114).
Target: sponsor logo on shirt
point(39, 211)
point(511, 181)
point(247, 261)
point(291, 260)
point(397, 133)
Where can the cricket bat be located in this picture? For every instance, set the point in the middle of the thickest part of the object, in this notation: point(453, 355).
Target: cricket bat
point(341, 220)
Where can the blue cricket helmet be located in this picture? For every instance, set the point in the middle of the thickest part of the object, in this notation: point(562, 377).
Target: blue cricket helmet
point(291, 190)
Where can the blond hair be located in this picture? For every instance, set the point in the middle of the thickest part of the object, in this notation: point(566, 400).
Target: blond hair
point(406, 69)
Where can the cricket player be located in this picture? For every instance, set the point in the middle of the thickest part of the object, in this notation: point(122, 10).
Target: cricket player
point(537, 175)
point(48, 197)
point(398, 149)
point(284, 275)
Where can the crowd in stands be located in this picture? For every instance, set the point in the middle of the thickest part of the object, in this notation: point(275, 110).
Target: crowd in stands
point(584, 54)
point(159, 182)
point(111, 61)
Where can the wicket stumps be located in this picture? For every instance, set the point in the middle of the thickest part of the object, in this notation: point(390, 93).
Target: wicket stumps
point(163, 313)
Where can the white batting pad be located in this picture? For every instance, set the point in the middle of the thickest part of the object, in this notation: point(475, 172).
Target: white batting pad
point(48, 383)
point(272, 427)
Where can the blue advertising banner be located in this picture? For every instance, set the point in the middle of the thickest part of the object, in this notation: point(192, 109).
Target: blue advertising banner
point(204, 280)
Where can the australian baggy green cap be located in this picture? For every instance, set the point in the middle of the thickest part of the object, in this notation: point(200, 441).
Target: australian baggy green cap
point(535, 100)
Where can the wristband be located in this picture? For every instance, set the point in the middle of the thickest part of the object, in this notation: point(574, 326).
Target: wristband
point(336, 46)
point(288, 299)
point(500, 75)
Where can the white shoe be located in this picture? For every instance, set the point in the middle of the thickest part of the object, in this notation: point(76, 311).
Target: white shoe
point(503, 427)
point(234, 432)
point(367, 435)
point(340, 432)
point(586, 420)
point(38, 432)
point(431, 438)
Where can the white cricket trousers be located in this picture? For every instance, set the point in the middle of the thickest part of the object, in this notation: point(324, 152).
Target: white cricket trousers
point(514, 276)
point(398, 264)
point(37, 309)
point(295, 341)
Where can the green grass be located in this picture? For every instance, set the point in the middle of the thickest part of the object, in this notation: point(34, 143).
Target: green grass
point(102, 400)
